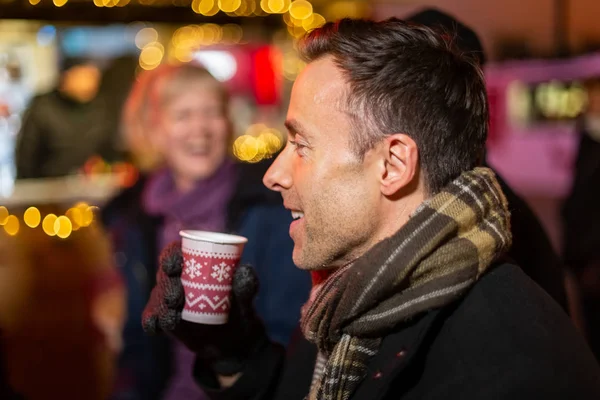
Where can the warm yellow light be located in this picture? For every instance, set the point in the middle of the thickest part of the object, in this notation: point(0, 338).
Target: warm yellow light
point(34, 2)
point(98, 3)
point(63, 227)
point(151, 56)
point(205, 7)
point(87, 213)
point(3, 215)
point(246, 8)
point(76, 217)
point(183, 54)
point(122, 3)
point(271, 140)
point(12, 225)
point(32, 217)
point(182, 34)
point(313, 22)
point(245, 147)
point(261, 151)
point(82, 205)
point(301, 9)
point(251, 9)
point(229, 5)
point(278, 6)
point(48, 224)
point(296, 31)
point(264, 5)
point(212, 34)
point(145, 36)
point(291, 21)
point(88, 216)
point(232, 33)
point(59, 3)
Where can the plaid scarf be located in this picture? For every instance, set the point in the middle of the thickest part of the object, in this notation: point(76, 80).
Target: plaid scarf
point(447, 244)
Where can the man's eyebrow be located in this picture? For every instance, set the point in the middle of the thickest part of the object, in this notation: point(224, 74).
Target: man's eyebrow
point(294, 128)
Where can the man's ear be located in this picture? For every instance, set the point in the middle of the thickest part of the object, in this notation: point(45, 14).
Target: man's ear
point(401, 164)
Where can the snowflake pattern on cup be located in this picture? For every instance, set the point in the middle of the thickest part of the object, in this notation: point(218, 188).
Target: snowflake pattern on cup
point(206, 279)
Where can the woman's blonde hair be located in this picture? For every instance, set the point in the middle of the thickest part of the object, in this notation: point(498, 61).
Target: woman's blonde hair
point(151, 91)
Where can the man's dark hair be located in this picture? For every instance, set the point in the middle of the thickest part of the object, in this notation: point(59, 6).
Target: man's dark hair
point(408, 79)
point(463, 37)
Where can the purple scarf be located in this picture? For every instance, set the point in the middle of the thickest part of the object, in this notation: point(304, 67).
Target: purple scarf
point(203, 208)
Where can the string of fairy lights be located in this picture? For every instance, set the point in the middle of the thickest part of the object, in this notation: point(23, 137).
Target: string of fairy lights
point(79, 216)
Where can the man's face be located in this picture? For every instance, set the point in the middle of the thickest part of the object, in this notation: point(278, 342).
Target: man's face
point(334, 193)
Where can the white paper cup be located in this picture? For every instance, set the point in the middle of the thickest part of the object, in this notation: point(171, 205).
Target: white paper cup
point(209, 261)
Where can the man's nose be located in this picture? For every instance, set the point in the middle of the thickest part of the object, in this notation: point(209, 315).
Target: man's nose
point(278, 176)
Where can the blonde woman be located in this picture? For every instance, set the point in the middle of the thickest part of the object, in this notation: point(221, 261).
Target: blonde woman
point(176, 120)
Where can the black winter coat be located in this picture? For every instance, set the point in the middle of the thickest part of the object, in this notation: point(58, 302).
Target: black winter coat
point(506, 339)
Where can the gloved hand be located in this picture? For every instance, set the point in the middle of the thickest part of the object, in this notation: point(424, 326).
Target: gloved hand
point(223, 348)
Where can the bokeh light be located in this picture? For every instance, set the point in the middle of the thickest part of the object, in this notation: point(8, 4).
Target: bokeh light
point(87, 216)
point(291, 21)
point(313, 22)
point(145, 36)
point(259, 142)
point(32, 217)
point(247, 8)
point(151, 55)
point(211, 33)
point(205, 7)
point(76, 217)
point(264, 7)
point(3, 215)
point(229, 5)
point(59, 3)
point(296, 31)
point(271, 140)
point(301, 9)
point(245, 148)
point(232, 33)
point(63, 227)
point(278, 6)
point(48, 224)
point(12, 225)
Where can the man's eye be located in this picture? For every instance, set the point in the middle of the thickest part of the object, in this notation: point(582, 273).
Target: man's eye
point(296, 144)
point(299, 148)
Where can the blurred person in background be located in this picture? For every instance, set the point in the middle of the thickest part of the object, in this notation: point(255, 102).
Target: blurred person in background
point(115, 85)
point(62, 308)
point(177, 118)
point(62, 129)
point(581, 216)
point(531, 248)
